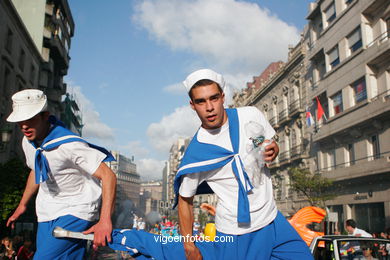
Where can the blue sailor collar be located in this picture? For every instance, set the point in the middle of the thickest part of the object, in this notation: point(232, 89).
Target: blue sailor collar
point(57, 136)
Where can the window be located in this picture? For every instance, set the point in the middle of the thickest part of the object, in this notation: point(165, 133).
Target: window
point(6, 82)
point(334, 57)
point(22, 59)
point(375, 147)
point(337, 103)
point(271, 115)
point(330, 13)
point(388, 26)
point(355, 40)
point(351, 154)
point(293, 138)
point(331, 163)
point(359, 88)
point(32, 74)
point(8, 41)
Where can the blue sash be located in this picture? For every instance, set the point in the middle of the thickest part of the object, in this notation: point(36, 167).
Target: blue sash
point(201, 157)
point(58, 135)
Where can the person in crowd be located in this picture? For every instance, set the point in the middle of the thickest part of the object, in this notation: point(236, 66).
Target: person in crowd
point(350, 226)
point(367, 253)
point(25, 252)
point(7, 250)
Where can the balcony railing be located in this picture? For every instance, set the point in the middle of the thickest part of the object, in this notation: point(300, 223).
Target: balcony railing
point(294, 106)
point(284, 156)
point(273, 121)
point(283, 115)
point(353, 162)
point(380, 38)
point(297, 150)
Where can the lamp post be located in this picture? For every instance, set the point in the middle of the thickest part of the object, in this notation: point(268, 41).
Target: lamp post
point(6, 135)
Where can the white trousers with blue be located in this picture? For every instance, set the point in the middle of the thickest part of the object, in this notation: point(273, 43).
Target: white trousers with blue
point(52, 248)
point(278, 240)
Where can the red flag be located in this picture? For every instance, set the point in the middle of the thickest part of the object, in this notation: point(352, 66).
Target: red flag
point(320, 110)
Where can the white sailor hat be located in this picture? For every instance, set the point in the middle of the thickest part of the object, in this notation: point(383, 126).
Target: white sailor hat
point(26, 104)
point(203, 74)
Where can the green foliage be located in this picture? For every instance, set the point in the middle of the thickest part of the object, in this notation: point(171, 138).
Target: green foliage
point(313, 186)
point(13, 175)
point(202, 218)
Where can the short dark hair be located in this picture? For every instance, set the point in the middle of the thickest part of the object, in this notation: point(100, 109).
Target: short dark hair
point(204, 82)
point(351, 223)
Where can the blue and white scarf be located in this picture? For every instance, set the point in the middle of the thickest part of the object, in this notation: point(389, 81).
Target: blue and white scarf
point(201, 157)
point(57, 136)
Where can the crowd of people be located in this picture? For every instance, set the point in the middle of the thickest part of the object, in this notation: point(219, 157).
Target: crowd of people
point(17, 247)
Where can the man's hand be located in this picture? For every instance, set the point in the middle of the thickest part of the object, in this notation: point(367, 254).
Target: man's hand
point(102, 233)
point(271, 151)
point(192, 252)
point(19, 211)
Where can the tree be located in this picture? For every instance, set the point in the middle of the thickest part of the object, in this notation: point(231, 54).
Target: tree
point(202, 218)
point(13, 176)
point(313, 186)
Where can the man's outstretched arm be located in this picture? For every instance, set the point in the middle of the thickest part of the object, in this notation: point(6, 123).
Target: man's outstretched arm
point(186, 222)
point(30, 190)
point(103, 229)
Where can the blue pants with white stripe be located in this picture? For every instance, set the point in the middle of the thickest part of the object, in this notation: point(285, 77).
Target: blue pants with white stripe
point(278, 240)
point(52, 248)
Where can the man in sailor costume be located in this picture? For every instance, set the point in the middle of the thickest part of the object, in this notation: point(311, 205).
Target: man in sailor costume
point(73, 183)
point(218, 160)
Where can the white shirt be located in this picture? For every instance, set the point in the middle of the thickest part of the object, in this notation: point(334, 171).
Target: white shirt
point(361, 233)
point(70, 188)
point(224, 184)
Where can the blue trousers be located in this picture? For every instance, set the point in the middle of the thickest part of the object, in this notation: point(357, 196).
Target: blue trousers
point(278, 240)
point(51, 248)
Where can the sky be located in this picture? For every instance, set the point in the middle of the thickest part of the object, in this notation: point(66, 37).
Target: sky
point(129, 57)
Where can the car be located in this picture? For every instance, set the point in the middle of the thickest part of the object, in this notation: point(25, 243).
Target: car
point(339, 247)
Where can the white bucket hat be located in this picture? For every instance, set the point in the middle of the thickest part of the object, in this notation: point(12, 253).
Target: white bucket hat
point(26, 104)
point(204, 74)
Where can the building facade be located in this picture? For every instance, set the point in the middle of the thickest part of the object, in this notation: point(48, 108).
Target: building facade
point(19, 69)
point(128, 180)
point(280, 94)
point(165, 182)
point(34, 51)
point(349, 73)
point(150, 196)
point(175, 155)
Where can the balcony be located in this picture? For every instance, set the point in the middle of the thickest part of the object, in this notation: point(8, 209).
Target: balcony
point(295, 107)
point(297, 151)
point(370, 165)
point(284, 156)
point(379, 50)
point(57, 51)
point(361, 115)
point(274, 122)
point(283, 115)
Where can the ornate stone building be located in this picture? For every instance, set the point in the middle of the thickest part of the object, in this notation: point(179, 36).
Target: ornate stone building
point(281, 96)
